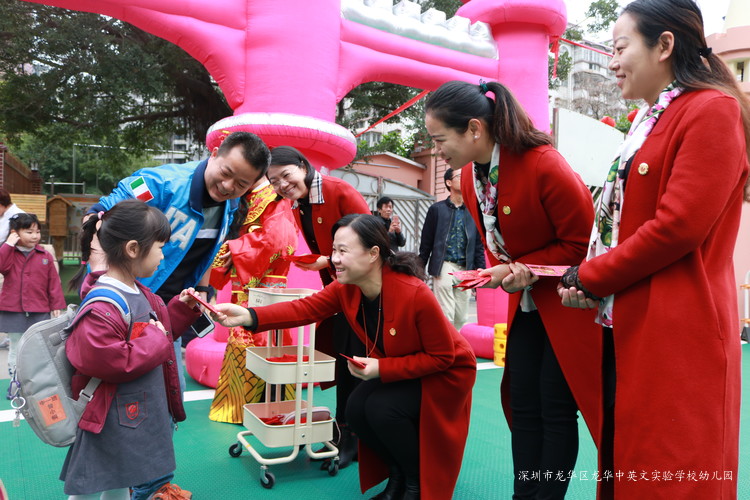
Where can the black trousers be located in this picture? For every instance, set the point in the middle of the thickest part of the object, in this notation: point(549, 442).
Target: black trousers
point(345, 341)
point(606, 448)
point(544, 428)
point(385, 417)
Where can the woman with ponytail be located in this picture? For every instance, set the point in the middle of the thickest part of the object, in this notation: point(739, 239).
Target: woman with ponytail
point(411, 410)
point(530, 208)
point(659, 268)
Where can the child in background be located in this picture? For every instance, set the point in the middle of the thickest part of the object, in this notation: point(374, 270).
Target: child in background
point(125, 434)
point(32, 289)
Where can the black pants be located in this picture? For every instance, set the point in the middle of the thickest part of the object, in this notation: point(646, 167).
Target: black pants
point(606, 448)
point(385, 417)
point(345, 341)
point(544, 430)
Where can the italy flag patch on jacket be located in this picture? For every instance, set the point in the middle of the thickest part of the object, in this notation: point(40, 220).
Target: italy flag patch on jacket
point(140, 189)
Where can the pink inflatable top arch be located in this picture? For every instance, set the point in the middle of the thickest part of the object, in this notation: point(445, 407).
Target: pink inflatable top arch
point(283, 67)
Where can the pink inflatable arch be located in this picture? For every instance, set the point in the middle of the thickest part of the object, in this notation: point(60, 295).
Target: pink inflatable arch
point(284, 67)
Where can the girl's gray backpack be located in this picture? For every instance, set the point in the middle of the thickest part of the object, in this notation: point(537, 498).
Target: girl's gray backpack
point(41, 384)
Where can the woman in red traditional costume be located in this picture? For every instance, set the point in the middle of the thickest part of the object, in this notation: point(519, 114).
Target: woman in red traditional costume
point(253, 260)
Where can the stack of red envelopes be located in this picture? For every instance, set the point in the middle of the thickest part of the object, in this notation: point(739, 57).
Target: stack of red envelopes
point(470, 279)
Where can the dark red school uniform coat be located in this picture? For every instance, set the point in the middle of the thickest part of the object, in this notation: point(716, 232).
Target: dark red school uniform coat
point(545, 214)
point(676, 327)
point(419, 342)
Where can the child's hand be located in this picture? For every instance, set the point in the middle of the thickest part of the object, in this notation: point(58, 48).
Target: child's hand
point(12, 238)
point(188, 299)
point(159, 325)
point(232, 315)
point(319, 264)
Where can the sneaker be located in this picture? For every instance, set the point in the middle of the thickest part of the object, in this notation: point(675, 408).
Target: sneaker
point(171, 491)
point(5, 343)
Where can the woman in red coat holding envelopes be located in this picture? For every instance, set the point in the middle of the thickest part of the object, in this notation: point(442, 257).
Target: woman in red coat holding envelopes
point(411, 410)
point(530, 208)
point(660, 260)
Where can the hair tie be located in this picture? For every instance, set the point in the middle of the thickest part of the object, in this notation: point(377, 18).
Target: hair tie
point(483, 87)
point(705, 51)
point(83, 262)
point(100, 214)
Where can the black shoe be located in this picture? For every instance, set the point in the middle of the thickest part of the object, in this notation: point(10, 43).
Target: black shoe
point(396, 486)
point(348, 445)
point(412, 489)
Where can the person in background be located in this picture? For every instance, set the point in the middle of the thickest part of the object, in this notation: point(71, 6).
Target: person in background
point(32, 290)
point(200, 200)
point(530, 208)
point(7, 210)
point(255, 259)
point(124, 436)
point(412, 408)
point(450, 242)
point(318, 202)
point(659, 271)
point(392, 222)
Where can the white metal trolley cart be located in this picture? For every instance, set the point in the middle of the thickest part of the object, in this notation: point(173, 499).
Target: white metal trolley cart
point(318, 367)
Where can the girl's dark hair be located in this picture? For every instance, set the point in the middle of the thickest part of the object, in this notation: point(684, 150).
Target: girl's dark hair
point(128, 220)
point(457, 102)
point(239, 217)
point(684, 20)
point(23, 221)
point(287, 155)
point(372, 233)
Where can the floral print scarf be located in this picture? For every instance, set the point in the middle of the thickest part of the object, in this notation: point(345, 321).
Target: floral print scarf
point(605, 233)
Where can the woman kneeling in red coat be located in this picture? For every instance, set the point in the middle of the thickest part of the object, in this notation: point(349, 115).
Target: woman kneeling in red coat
point(418, 372)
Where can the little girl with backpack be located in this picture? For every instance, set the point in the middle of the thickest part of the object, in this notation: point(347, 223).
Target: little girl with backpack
point(32, 289)
point(125, 433)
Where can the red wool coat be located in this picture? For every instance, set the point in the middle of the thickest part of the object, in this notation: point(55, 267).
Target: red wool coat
point(340, 199)
point(676, 328)
point(419, 342)
point(545, 215)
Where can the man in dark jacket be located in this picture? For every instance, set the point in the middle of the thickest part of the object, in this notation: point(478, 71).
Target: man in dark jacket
point(392, 223)
point(450, 242)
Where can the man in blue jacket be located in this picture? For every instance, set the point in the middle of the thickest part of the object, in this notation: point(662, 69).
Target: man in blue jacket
point(450, 242)
point(200, 200)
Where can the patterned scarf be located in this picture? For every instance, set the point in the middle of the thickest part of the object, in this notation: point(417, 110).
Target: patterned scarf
point(486, 190)
point(605, 233)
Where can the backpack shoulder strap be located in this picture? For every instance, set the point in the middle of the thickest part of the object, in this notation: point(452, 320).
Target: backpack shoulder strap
point(111, 295)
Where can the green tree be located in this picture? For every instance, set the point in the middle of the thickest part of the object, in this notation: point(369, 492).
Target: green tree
point(72, 77)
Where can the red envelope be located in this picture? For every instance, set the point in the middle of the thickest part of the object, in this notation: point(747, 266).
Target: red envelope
point(302, 259)
point(542, 271)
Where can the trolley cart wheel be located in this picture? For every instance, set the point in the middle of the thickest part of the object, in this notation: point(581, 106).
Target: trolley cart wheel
point(235, 450)
point(333, 467)
point(267, 479)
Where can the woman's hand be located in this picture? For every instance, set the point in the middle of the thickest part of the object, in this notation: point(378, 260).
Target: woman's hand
point(370, 371)
point(496, 274)
point(519, 278)
point(319, 264)
point(232, 315)
point(572, 297)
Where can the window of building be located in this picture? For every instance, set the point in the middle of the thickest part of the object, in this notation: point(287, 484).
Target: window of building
point(740, 71)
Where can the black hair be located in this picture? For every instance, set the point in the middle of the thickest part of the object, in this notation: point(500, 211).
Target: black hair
point(372, 233)
point(128, 220)
point(447, 176)
point(254, 150)
point(684, 20)
point(455, 103)
point(23, 221)
point(287, 155)
point(383, 200)
point(5, 198)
